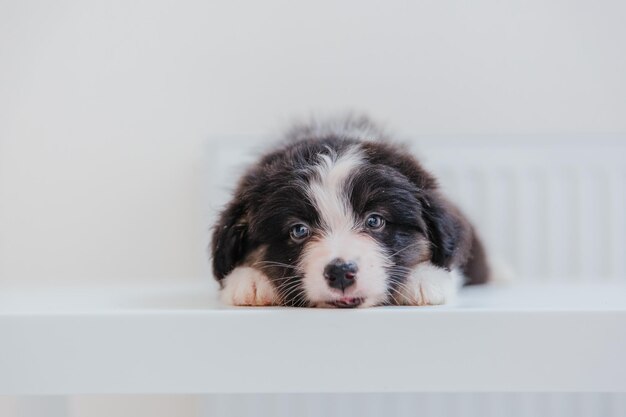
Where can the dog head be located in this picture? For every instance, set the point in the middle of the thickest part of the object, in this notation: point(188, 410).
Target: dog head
point(336, 221)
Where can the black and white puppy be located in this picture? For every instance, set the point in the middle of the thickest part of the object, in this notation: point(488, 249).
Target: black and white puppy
point(339, 217)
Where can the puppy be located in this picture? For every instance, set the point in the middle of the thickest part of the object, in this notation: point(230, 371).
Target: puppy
point(339, 217)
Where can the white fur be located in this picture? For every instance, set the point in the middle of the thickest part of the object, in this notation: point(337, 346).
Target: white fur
point(326, 191)
point(246, 286)
point(429, 285)
point(340, 236)
point(363, 250)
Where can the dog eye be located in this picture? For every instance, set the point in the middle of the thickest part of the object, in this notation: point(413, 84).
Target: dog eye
point(299, 232)
point(375, 221)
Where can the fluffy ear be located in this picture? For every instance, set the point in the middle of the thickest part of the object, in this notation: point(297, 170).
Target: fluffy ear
point(448, 231)
point(229, 243)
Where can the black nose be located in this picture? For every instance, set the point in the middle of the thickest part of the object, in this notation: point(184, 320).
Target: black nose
point(340, 274)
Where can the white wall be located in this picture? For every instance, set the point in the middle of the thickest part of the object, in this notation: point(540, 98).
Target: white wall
point(106, 108)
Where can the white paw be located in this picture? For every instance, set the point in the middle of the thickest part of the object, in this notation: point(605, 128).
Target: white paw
point(430, 285)
point(246, 286)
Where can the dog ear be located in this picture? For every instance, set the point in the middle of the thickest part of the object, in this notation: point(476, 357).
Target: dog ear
point(448, 231)
point(229, 243)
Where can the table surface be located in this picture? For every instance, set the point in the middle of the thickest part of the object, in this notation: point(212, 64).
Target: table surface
point(194, 297)
point(178, 339)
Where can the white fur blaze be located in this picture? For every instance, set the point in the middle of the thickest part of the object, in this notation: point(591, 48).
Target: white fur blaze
point(429, 285)
point(246, 286)
point(340, 236)
point(327, 191)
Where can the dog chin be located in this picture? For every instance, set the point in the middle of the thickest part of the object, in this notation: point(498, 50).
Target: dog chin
point(349, 301)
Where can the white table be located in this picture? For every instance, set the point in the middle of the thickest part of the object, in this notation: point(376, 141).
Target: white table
point(166, 339)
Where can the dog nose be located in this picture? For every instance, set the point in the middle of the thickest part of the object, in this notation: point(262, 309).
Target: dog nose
point(340, 274)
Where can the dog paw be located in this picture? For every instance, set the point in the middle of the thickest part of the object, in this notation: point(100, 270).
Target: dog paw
point(429, 285)
point(246, 286)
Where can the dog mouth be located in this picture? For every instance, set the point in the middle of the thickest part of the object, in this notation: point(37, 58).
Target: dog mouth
point(346, 302)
